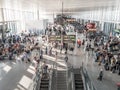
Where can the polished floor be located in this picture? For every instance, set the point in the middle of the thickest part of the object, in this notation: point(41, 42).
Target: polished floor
point(15, 76)
point(18, 76)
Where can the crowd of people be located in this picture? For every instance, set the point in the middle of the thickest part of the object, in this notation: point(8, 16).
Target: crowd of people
point(110, 60)
point(101, 46)
point(19, 48)
point(103, 54)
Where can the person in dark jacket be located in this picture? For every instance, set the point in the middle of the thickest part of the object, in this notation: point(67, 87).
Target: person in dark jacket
point(66, 58)
point(46, 50)
point(100, 77)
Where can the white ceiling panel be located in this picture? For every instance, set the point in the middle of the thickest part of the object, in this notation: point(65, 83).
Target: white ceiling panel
point(56, 5)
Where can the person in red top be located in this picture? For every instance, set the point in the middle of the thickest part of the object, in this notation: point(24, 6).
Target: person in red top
point(79, 42)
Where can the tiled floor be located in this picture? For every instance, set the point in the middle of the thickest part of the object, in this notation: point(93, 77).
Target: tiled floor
point(15, 76)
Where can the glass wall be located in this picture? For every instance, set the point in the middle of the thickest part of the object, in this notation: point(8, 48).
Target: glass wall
point(11, 15)
point(1, 18)
point(108, 17)
point(16, 19)
point(109, 28)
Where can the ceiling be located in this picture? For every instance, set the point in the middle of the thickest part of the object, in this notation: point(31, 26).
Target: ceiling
point(55, 6)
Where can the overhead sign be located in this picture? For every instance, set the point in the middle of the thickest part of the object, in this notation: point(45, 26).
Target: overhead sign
point(52, 38)
point(69, 38)
point(66, 38)
point(70, 20)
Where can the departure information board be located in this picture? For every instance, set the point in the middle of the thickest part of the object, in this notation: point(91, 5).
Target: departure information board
point(66, 38)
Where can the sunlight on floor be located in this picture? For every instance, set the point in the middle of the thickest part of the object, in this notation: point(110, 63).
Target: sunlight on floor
point(14, 63)
point(62, 63)
point(7, 68)
point(25, 81)
point(61, 69)
point(31, 71)
point(20, 87)
point(49, 58)
point(53, 59)
point(32, 67)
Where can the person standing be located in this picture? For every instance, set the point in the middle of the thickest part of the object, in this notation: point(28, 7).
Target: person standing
point(50, 51)
point(83, 42)
point(46, 50)
point(66, 49)
point(79, 42)
point(66, 58)
point(45, 70)
point(100, 77)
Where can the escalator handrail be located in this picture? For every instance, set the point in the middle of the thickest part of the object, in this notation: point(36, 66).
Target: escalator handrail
point(39, 76)
point(73, 84)
point(70, 67)
point(50, 79)
point(83, 78)
point(87, 82)
point(36, 79)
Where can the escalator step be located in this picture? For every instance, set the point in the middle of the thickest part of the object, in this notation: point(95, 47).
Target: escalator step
point(44, 79)
point(81, 83)
point(43, 88)
point(77, 74)
point(78, 80)
point(44, 83)
point(79, 87)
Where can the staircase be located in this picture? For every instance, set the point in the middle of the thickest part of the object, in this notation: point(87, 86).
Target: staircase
point(78, 80)
point(61, 80)
point(44, 85)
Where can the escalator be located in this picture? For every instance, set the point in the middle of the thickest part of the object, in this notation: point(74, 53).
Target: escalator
point(78, 80)
point(61, 80)
point(46, 81)
point(44, 85)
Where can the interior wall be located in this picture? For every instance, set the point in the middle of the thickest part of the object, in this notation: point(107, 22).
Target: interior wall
point(110, 14)
point(36, 26)
point(1, 15)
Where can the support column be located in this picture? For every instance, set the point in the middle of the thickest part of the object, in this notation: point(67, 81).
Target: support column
point(75, 50)
point(3, 24)
point(38, 16)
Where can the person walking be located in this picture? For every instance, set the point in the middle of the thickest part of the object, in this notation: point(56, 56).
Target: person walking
point(100, 77)
point(66, 58)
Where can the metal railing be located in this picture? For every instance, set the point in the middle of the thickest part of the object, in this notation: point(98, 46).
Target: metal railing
point(88, 85)
point(70, 77)
point(35, 85)
point(50, 77)
point(36, 80)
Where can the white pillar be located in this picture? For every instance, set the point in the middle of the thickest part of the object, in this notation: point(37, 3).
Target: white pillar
point(75, 49)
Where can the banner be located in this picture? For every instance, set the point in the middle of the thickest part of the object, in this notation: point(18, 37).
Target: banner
point(90, 25)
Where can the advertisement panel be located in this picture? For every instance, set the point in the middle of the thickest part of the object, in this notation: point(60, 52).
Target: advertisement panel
point(90, 25)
